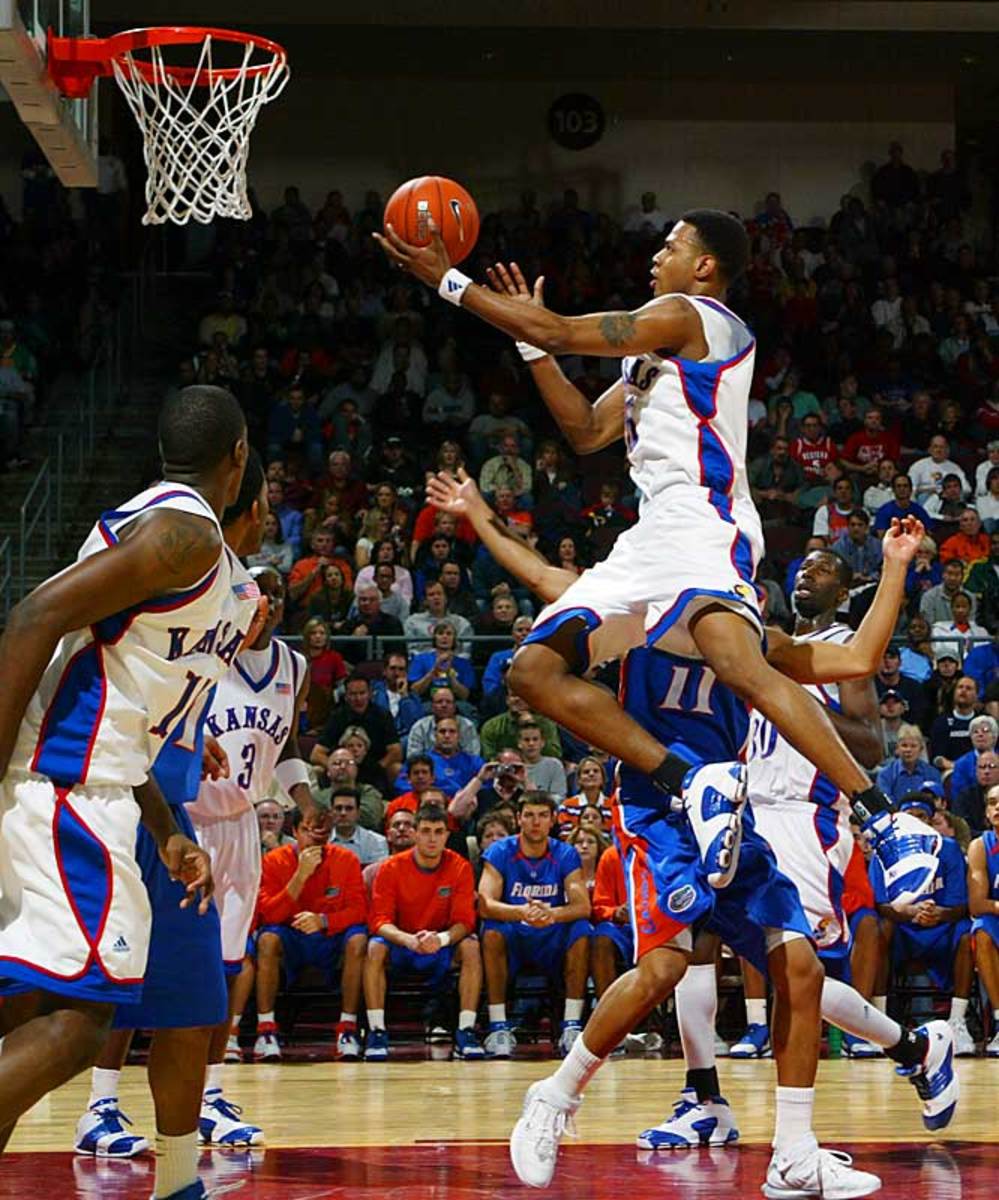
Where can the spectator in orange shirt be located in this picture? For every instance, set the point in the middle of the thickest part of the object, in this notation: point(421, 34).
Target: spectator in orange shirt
point(971, 543)
point(612, 945)
point(422, 916)
point(311, 912)
point(306, 577)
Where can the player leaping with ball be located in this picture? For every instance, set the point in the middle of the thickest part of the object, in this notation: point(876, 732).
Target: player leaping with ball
point(681, 579)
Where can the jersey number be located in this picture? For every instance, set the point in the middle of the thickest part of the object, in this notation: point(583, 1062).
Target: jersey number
point(703, 682)
point(763, 740)
point(185, 716)
point(249, 757)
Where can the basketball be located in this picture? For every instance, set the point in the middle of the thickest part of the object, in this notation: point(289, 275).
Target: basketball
point(453, 210)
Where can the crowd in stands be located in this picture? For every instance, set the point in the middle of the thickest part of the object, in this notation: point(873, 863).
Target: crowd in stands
point(876, 396)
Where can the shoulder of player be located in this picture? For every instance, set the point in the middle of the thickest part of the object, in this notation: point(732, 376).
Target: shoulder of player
point(178, 547)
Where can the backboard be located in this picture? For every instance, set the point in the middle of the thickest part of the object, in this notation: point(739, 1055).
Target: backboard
point(65, 130)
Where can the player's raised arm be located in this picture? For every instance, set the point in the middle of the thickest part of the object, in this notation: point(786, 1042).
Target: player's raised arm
point(827, 662)
point(165, 551)
point(462, 497)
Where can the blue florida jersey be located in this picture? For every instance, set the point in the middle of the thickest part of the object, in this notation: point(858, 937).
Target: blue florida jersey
point(991, 845)
point(686, 421)
point(526, 879)
point(680, 702)
point(949, 886)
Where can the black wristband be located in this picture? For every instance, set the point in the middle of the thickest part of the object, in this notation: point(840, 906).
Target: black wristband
point(670, 773)
point(869, 803)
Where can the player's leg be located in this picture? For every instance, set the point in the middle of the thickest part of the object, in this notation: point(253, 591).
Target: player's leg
point(270, 956)
point(964, 977)
point(348, 1044)
point(376, 962)
point(987, 962)
point(603, 961)
point(864, 955)
point(575, 972)
point(755, 1042)
point(103, 1128)
point(177, 1060)
point(469, 956)
point(500, 1041)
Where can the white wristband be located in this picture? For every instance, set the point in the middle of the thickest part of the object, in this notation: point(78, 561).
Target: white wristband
point(530, 353)
point(291, 772)
point(453, 286)
point(444, 938)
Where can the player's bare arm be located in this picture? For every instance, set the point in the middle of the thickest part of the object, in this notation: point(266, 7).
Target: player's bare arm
point(979, 902)
point(163, 552)
point(301, 793)
point(577, 900)
point(462, 497)
point(183, 858)
point(491, 907)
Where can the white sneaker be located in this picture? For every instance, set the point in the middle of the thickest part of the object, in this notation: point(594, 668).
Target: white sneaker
point(714, 797)
point(233, 1053)
point(964, 1043)
point(101, 1131)
point(220, 1123)
point(534, 1143)
point(805, 1170)
point(935, 1080)
point(693, 1123)
point(992, 1049)
point(500, 1041)
point(267, 1048)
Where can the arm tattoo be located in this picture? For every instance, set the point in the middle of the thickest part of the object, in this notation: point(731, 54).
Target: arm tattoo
point(178, 541)
point(617, 328)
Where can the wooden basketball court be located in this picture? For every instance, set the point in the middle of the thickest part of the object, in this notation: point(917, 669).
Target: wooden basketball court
point(438, 1129)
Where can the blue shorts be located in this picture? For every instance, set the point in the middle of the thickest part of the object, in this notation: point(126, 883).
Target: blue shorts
point(988, 924)
point(234, 968)
point(320, 950)
point(668, 892)
point(934, 948)
point(184, 985)
point(620, 935)
point(433, 967)
point(543, 949)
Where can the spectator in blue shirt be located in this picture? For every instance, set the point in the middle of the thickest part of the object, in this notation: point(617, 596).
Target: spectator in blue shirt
point(910, 770)
point(914, 661)
point(982, 665)
point(493, 676)
point(860, 548)
point(901, 506)
point(294, 425)
point(453, 767)
point(984, 731)
point(290, 519)
point(441, 666)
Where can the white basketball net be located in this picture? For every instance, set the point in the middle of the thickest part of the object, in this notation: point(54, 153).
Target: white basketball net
point(197, 130)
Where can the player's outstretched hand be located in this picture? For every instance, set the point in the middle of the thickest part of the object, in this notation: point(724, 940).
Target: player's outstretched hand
point(428, 263)
point(455, 495)
point(902, 539)
point(510, 281)
point(187, 863)
point(214, 760)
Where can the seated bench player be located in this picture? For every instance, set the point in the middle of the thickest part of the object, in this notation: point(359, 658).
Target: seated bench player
point(868, 964)
point(612, 943)
point(400, 834)
point(535, 910)
point(422, 921)
point(983, 901)
point(935, 931)
point(311, 912)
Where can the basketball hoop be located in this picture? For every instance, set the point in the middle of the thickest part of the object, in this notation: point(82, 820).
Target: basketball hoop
point(195, 117)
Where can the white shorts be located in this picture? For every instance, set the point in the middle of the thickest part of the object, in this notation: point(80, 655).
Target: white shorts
point(74, 911)
point(690, 548)
point(812, 845)
point(233, 842)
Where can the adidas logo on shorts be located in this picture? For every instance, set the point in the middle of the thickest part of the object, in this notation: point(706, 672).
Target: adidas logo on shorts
point(120, 944)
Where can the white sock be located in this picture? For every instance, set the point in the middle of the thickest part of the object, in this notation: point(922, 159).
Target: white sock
point(958, 1008)
point(880, 1003)
point(995, 1023)
point(696, 1008)
point(213, 1077)
point(844, 1006)
point(234, 1027)
point(347, 1018)
point(376, 1018)
point(466, 1018)
point(497, 1014)
point(573, 1010)
point(266, 1018)
point(577, 1069)
point(794, 1115)
point(756, 1012)
point(103, 1085)
point(176, 1163)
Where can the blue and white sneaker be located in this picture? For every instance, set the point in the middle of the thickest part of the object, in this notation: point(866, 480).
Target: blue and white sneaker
point(567, 1037)
point(101, 1131)
point(467, 1045)
point(908, 851)
point(935, 1079)
point(714, 796)
point(693, 1123)
point(198, 1191)
point(220, 1123)
point(754, 1043)
point(500, 1041)
point(856, 1047)
point(376, 1046)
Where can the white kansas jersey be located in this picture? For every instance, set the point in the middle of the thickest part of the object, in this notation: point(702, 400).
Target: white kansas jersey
point(776, 771)
point(114, 693)
point(251, 715)
point(686, 421)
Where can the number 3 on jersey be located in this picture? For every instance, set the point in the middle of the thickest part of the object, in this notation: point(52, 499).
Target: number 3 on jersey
point(249, 757)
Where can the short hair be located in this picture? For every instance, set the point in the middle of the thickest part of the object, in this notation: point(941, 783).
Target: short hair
point(345, 789)
point(357, 677)
point(318, 806)
point(843, 568)
point(724, 237)
point(432, 813)
point(355, 731)
point(861, 514)
point(249, 489)
point(415, 759)
point(984, 719)
point(909, 731)
point(528, 723)
point(198, 426)
point(495, 816)
point(539, 799)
